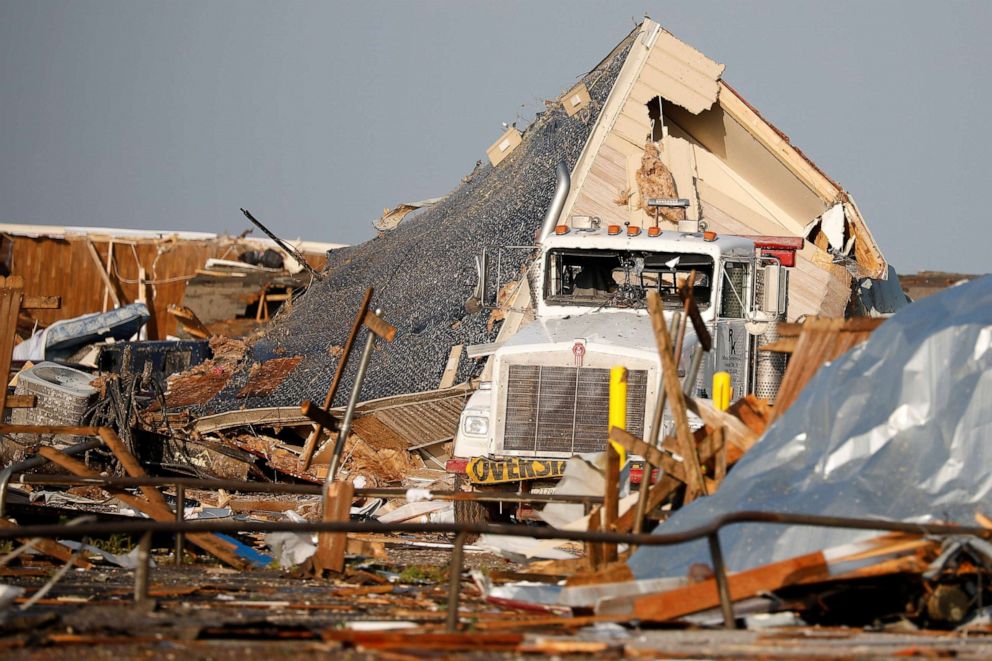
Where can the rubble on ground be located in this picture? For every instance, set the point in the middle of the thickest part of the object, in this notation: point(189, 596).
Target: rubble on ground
point(191, 457)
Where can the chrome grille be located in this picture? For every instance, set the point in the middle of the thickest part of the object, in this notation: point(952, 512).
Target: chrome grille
point(566, 409)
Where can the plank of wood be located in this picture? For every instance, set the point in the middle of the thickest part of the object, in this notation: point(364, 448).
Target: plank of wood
point(451, 367)
point(41, 303)
point(11, 293)
point(331, 546)
point(222, 550)
point(380, 326)
point(189, 321)
point(737, 432)
point(131, 465)
point(311, 443)
point(703, 595)
point(611, 499)
point(103, 273)
point(894, 552)
point(21, 401)
point(594, 550)
point(482, 350)
point(675, 398)
point(49, 430)
point(324, 419)
point(51, 548)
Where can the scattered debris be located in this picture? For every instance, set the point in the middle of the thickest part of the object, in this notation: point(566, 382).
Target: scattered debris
point(690, 389)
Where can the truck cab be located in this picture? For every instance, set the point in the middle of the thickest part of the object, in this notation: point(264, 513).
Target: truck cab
point(548, 398)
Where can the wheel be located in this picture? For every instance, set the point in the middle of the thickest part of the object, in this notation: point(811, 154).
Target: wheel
point(468, 511)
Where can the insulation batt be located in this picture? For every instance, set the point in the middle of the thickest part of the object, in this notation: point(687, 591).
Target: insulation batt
point(423, 272)
point(897, 428)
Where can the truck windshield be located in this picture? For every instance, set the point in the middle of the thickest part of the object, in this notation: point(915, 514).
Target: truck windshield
point(611, 278)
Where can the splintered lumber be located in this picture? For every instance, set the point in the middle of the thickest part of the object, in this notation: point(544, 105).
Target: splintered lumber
point(820, 341)
point(189, 321)
point(131, 465)
point(611, 500)
point(676, 400)
point(594, 550)
point(311, 443)
point(380, 326)
point(103, 272)
point(331, 546)
point(209, 542)
point(323, 419)
point(41, 302)
point(11, 293)
point(50, 548)
point(451, 367)
point(22, 401)
point(50, 430)
point(896, 552)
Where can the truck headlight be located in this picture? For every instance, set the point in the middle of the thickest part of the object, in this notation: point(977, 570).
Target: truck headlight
point(475, 425)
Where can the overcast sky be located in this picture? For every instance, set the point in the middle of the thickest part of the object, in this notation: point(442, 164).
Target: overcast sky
point(316, 115)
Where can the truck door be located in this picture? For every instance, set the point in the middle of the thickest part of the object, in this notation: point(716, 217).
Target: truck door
point(732, 345)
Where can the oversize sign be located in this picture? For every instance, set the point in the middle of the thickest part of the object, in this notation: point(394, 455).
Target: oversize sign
point(488, 471)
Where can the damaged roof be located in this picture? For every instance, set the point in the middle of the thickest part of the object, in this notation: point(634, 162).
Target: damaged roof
point(740, 173)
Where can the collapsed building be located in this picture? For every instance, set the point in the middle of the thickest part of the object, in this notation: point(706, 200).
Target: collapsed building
point(655, 118)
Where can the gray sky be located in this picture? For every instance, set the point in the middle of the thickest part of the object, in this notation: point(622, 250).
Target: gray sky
point(316, 115)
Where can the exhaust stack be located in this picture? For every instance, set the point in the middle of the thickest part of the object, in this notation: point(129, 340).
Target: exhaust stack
point(558, 202)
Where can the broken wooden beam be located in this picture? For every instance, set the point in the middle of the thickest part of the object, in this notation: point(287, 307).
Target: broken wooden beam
point(675, 398)
point(219, 548)
point(50, 547)
point(318, 415)
point(22, 401)
point(331, 546)
point(311, 443)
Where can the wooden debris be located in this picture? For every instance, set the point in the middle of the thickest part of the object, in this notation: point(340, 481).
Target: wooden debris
point(209, 542)
point(451, 367)
point(189, 321)
point(895, 552)
point(820, 341)
point(675, 398)
point(311, 444)
point(51, 548)
point(331, 546)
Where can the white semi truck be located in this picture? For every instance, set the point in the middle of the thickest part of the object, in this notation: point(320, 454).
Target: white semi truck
point(548, 397)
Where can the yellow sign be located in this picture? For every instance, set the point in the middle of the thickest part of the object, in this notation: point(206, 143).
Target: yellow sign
point(491, 471)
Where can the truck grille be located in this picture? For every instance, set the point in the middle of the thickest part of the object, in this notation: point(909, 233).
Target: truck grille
point(566, 409)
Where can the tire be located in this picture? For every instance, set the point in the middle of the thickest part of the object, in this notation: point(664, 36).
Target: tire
point(468, 511)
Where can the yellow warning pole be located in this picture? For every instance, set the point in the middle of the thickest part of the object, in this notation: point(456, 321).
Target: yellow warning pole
point(618, 405)
point(722, 390)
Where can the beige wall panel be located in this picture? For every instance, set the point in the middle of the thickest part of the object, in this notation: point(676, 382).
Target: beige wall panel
point(748, 203)
point(631, 130)
point(748, 158)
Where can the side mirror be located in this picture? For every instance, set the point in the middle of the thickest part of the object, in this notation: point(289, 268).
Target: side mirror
point(776, 285)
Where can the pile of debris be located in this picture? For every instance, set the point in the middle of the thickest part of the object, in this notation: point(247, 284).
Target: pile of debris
point(322, 475)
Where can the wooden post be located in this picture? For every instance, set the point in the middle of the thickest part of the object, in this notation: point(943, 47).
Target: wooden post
point(451, 367)
point(673, 392)
point(615, 456)
point(311, 445)
point(11, 293)
point(104, 275)
point(331, 546)
point(594, 550)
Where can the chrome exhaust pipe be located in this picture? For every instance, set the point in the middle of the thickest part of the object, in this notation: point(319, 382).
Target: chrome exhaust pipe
point(558, 202)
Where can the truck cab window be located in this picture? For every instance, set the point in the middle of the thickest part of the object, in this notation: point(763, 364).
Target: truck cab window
point(608, 278)
point(733, 296)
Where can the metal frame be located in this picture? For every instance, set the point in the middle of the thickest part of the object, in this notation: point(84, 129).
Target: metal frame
point(710, 531)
